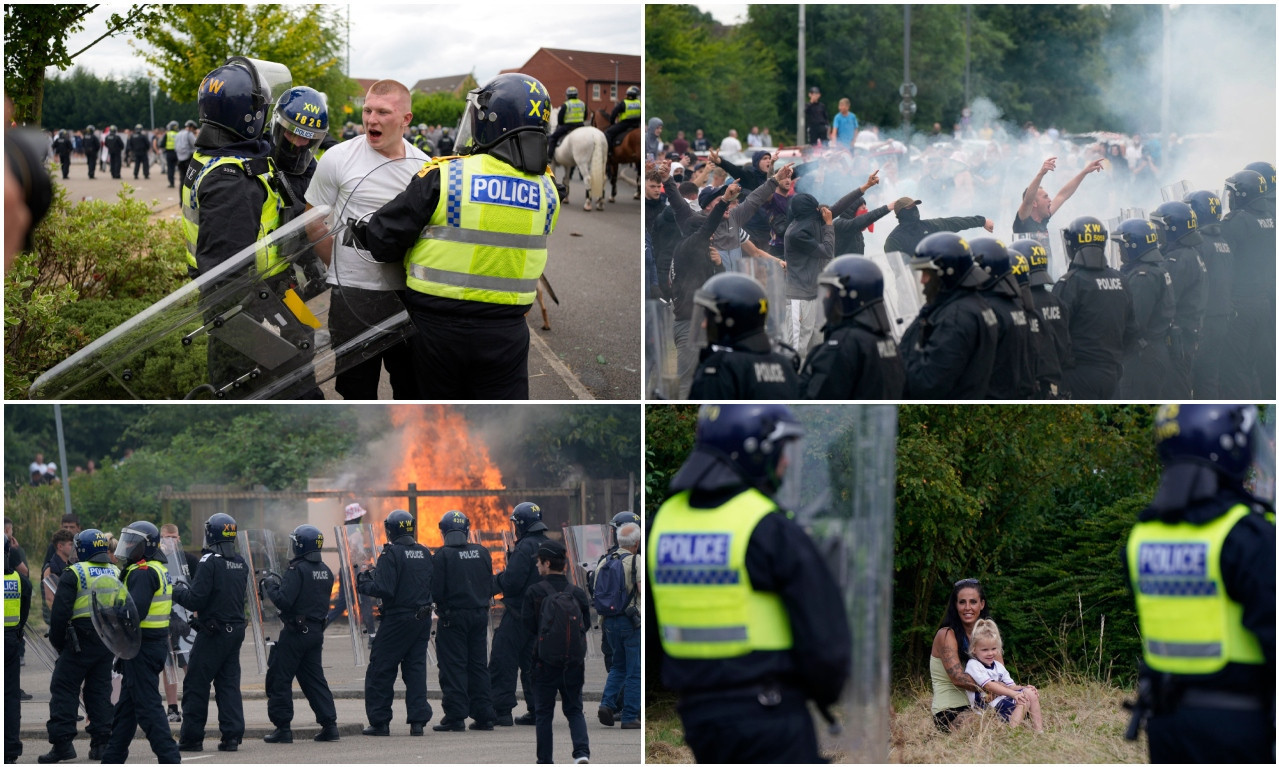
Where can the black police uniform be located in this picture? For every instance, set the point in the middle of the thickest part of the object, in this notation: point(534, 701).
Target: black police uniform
point(115, 149)
point(749, 369)
point(1147, 365)
point(302, 596)
point(1251, 369)
point(1052, 342)
point(92, 146)
point(83, 668)
point(1214, 251)
point(402, 580)
point(13, 668)
point(140, 704)
point(1190, 293)
point(853, 362)
point(1099, 313)
point(139, 146)
point(462, 587)
point(548, 681)
point(216, 594)
point(62, 148)
point(1012, 377)
point(1226, 717)
point(512, 641)
point(949, 350)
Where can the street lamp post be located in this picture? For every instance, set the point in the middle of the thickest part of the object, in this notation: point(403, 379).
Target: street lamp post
point(151, 98)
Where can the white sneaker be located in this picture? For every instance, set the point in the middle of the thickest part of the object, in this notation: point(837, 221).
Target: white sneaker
point(582, 760)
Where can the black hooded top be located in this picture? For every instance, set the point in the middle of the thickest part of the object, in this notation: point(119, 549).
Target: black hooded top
point(810, 246)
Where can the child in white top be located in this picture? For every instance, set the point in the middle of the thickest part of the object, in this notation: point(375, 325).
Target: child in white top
point(1012, 702)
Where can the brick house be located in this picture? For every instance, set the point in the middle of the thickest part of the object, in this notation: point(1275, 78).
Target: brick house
point(601, 78)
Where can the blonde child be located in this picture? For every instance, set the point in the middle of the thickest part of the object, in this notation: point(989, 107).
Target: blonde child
point(1011, 702)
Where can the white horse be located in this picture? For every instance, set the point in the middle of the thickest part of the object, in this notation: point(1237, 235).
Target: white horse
point(584, 148)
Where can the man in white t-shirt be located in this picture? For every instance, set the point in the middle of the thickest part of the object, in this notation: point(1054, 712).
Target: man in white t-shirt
point(38, 465)
point(355, 178)
point(730, 144)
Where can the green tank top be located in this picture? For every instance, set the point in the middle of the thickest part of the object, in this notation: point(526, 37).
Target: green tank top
point(945, 693)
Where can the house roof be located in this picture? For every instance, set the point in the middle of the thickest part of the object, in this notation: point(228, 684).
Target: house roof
point(599, 66)
point(449, 83)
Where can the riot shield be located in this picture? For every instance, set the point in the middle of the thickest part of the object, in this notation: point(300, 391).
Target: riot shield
point(661, 374)
point(115, 617)
point(261, 553)
point(903, 293)
point(249, 328)
point(586, 544)
point(772, 277)
point(840, 487)
point(357, 552)
point(1176, 191)
point(1113, 257)
point(181, 635)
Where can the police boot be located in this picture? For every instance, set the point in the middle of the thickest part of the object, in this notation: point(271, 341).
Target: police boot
point(59, 753)
point(504, 720)
point(96, 749)
point(526, 719)
point(328, 733)
point(377, 729)
point(450, 725)
point(191, 745)
point(417, 728)
point(229, 744)
point(280, 735)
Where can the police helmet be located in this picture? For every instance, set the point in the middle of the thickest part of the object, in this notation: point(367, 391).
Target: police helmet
point(527, 518)
point(399, 522)
point(1245, 188)
point(113, 129)
point(625, 518)
point(991, 254)
point(137, 127)
point(219, 529)
point(455, 528)
point(307, 542)
point(750, 438)
point(1138, 240)
point(91, 546)
point(138, 541)
point(1085, 240)
point(90, 129)
point(1175, 221)
point(1267, 171)
point(949, 255)
point(173, 125)
point(303, 112)
point(570, 92)
point(632, 92)
point(851, 285)
point(233, 97)
point(733, 305)
point(1036, 256)
point(1223, 437)
point(190, 124)
point(1020, 267)
point(1206, 205)
point(505, 106)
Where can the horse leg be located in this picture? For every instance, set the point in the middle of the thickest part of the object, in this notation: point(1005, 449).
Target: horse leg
point(612, 178)
point(638, 179)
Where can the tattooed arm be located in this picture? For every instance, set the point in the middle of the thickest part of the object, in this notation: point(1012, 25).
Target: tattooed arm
point(945, 648)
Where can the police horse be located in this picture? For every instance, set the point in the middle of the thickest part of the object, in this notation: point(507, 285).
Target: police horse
point(584, 148)
point(628, 152)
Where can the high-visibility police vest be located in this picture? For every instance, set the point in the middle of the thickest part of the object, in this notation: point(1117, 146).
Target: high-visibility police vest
point(86, 573)
point(706, 606)
point(12, 599)
point(268, 259)
point(171, 140)
point(574, 111)
point(1189, 625)
point(631, 110)
point(157, 616)
point(486, 238)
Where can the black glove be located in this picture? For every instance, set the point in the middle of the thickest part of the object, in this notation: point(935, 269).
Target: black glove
point(364, 576)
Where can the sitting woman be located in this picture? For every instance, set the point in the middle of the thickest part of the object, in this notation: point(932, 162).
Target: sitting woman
point(950, 653)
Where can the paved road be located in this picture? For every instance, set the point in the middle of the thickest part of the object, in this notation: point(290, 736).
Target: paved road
point(593, 348)
point(502, 745)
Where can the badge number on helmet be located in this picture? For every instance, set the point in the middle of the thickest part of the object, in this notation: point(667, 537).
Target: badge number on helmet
point(228, 531)
point(1092, 233)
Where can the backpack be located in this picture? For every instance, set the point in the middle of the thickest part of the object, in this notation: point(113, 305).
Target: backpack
point(611, 594)
point(561, 637)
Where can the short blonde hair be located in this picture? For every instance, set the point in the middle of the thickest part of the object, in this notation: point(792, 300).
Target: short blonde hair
point(392, 88)
point(845, 103)
point(986, 630)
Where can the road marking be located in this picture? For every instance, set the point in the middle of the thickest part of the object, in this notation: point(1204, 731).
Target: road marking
point(559, 367)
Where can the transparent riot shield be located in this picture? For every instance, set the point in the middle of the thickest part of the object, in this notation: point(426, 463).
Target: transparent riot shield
point(1176, 191)
point(358, 547)
point(772, 277)
point(903, 293)
point(841, 487)
point(661, 372)
point(261, 552)
point(586, 544)
point(181, 635)
point(115, 617)
point(249, 328)
point(1113, 257)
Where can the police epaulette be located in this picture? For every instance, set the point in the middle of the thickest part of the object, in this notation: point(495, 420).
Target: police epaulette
point(435, 162)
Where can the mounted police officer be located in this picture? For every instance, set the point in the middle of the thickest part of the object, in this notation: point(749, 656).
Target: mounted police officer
point(1218, 263)
point(17, 605)
point(1014, 356)
point(1178, 228)
point(512, 652)
point(472, 233)
point(751, 621)
point(625, 117)
point(1201, 562)
point(150, 588)
point(1249, 228)
point(737, 358)
point(571, 116)
point(302, 596)
point(84, 662)
point(463, 586)
point(402, 580)
point(217, 596)
point(1098, 309)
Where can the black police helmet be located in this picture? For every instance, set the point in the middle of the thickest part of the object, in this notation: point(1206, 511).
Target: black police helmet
point(949, 255)
point(455, 528)
point(527, 518)
point(303, 112)
point(1206, 205)
point(307, 541)
point(1138, 240)
point(1085, 240)
point(1175, 221)
point(218, 529)
point(91, 546)
point(632, 92)
point(1036, 256)
point(1245, 188)
point(1267, 171)
point(748, 438)
point(399, 522)
point(735, 307)
point(991, 255)
point(625, 518)
point(1223, 437)
point(851, 285)
point(138, 541)
point(504, 106)
point(233, 97)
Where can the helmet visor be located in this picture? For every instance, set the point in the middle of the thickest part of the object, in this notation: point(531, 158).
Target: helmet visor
point(465, 137)
point(705, 321)
point(131, 544)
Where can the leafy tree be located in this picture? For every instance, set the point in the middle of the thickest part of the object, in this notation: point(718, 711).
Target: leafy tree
point(437, 109)
point(80, 97)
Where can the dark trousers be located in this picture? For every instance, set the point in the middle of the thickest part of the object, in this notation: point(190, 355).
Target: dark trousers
point(1249, 369)
point(12, 705)
point(624, 677)
point(182, 169)
point(64, 162)
point(140, 705)
point(171, 163)
point(92, 157)
point(400, 645)
point(115, 165)
point(512, 655)
point(351, 312)
point(140, 162)
point(215, 659)
point(88, 670)
point(1190, 735)
point(619, 130)
point(1148, 373)
point(738, 728)
point(461, 649)
point(466, 358)
point(298, 655)
point(1085, 382)
point(567, 681)
point(1208, 360)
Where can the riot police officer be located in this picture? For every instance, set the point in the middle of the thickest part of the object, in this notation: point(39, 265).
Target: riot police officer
point(1147, 365)
point(1214, 252)
point(402, 580)
point(1098, 310)
point(1249, 227)
point(744, 667)
point(151, 589)
point(1208, 645)
point(1052, 341)
point(463, 586)
point(1014, 355)
point(92, 146)
point(302, 596)
point(619, 519)
point(17, 605)
point(115, 150)
point(625, 117)
point(471, 232)
point(737, 360)
point(299, 127)
point(572, 115)
point(84, 662)
point(1178, 229)
point(422, 141)
point(217, 597)
point(858, 357)
point(62, 147)
point(1267, 171)
point(512, 642)
point(949, 350)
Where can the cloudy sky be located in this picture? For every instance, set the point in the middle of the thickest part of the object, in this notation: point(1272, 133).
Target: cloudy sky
point(412, 42)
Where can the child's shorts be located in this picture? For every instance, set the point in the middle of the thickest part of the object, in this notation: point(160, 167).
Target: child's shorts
point(1005, 708)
